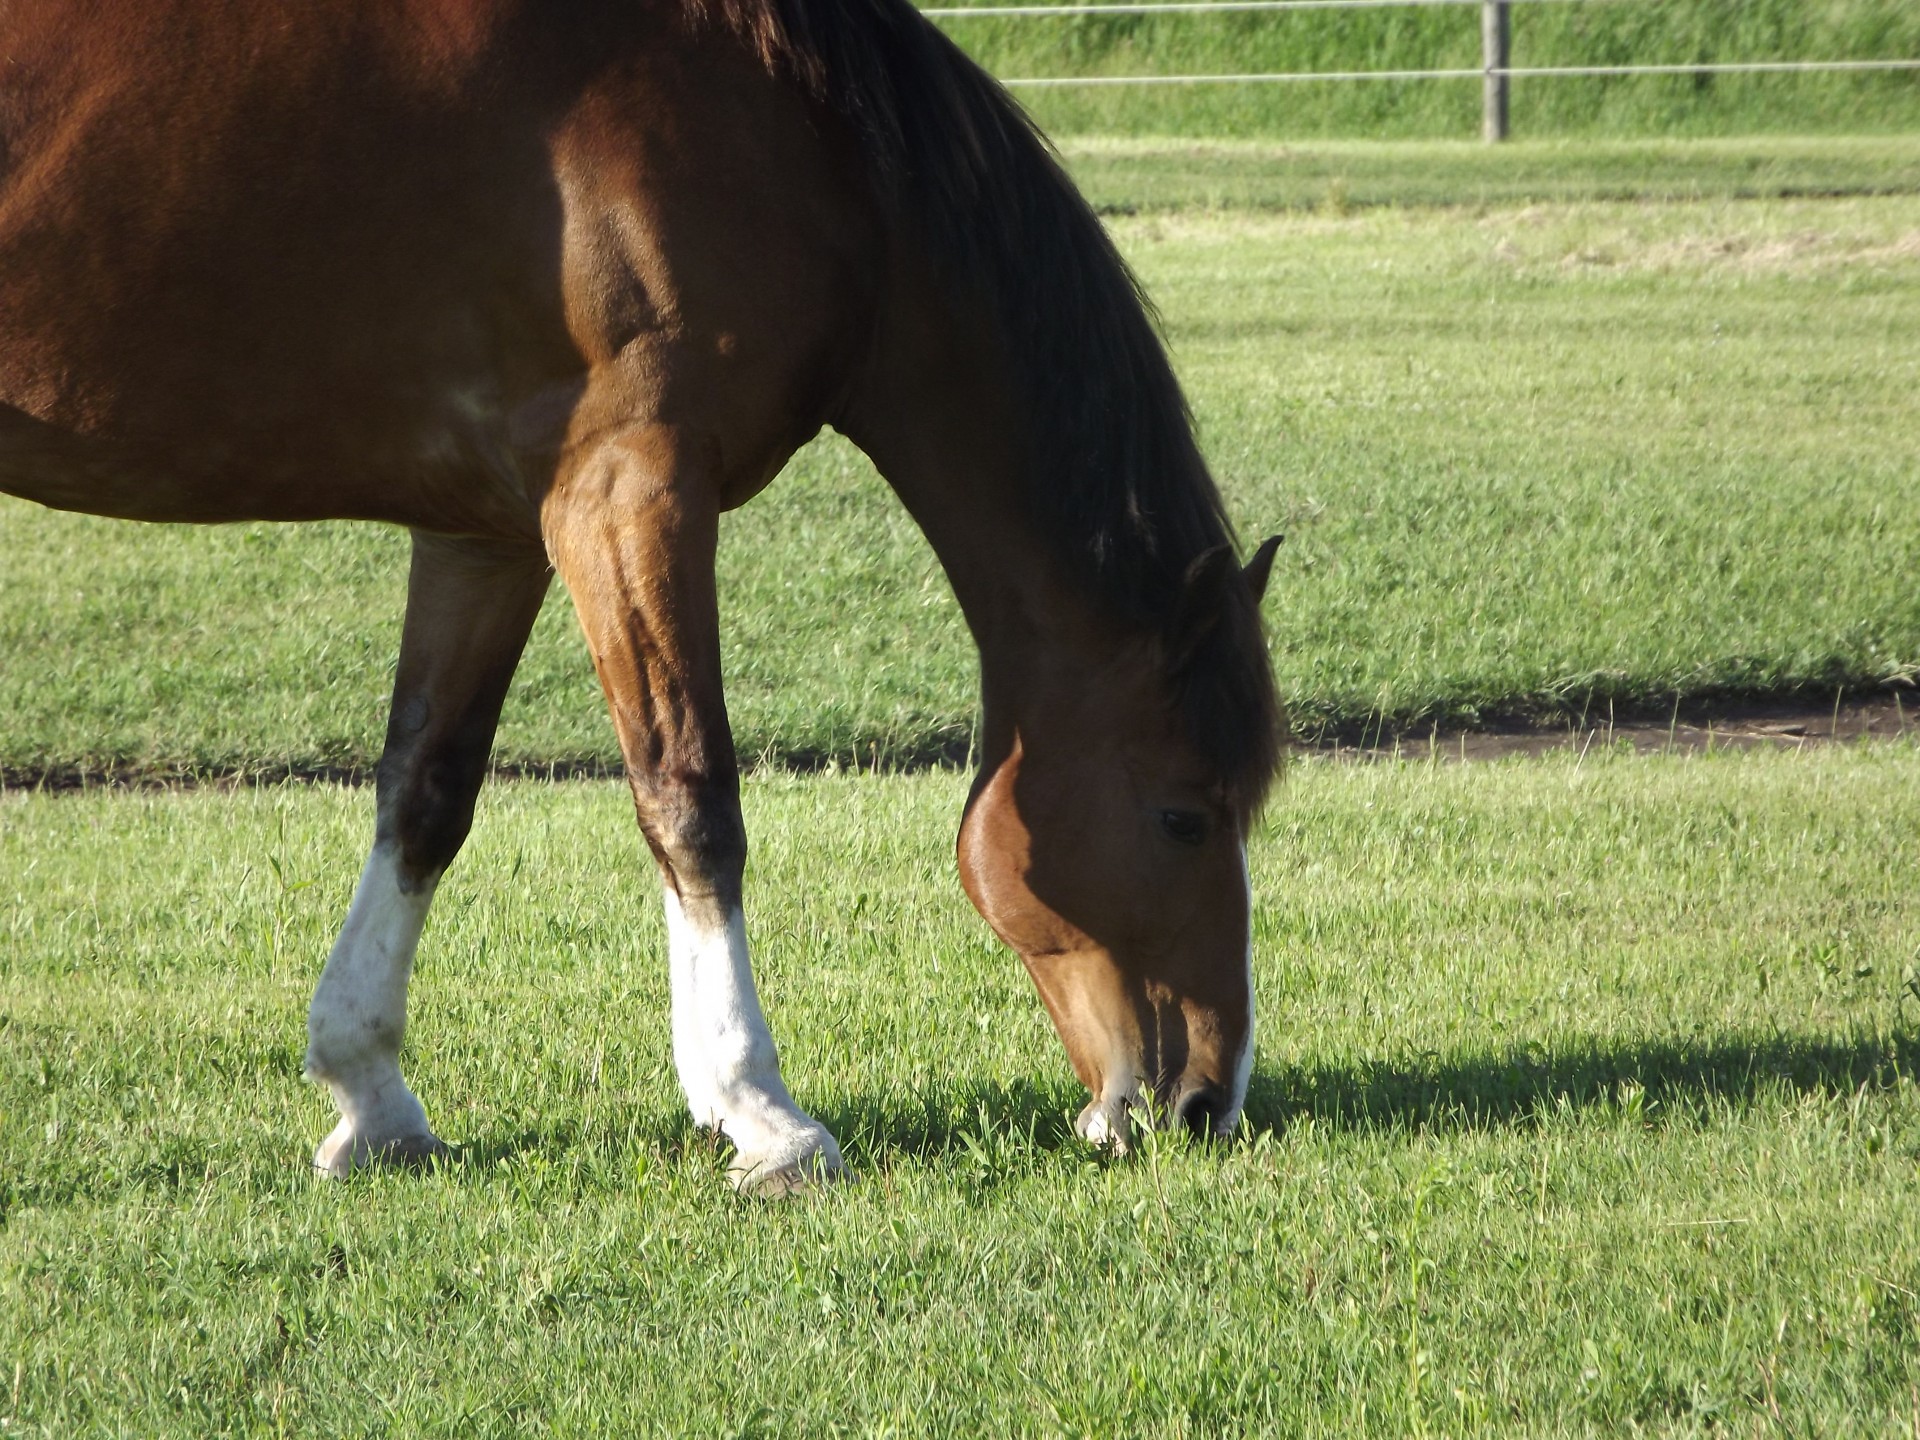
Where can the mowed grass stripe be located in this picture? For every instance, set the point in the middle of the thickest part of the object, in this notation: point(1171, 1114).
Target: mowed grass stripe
point(1534, 461)
point(1586, 1101)
point(1543, 461)
point(1126, 174)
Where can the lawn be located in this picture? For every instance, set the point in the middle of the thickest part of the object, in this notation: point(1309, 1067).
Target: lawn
point(1586, 1102)
point(1124, 175)
point(1536, 457)
point(1587, 1097)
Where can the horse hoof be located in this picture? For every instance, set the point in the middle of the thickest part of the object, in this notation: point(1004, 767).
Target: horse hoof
point(340, 1156)
point(805, 1159)
point(780, 1182)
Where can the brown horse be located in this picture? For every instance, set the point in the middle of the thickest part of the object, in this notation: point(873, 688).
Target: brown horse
point(554, 285)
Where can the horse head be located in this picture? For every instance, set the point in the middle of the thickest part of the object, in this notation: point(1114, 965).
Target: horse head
point(1109, 850)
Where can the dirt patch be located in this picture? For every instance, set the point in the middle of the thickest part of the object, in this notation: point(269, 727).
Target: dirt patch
point(1743, 727)
point(60, 779)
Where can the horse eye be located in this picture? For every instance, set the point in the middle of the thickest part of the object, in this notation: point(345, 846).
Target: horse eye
point(1184, 827)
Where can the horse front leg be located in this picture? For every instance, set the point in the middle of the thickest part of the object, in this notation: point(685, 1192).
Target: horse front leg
point(470, 607)
point(632, 529)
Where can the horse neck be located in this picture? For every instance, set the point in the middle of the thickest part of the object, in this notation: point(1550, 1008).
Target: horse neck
point(936, 414)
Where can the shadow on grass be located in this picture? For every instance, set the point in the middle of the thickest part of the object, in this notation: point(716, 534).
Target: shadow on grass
point(998, 1130)
point(993, 1124)
point(612, 1136)
point(1526, 1084)
point(985, 1119)
point(1522, 1087)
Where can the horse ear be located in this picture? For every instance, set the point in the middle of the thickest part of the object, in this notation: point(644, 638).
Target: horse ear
point(1203, 601)
point(1260, 567)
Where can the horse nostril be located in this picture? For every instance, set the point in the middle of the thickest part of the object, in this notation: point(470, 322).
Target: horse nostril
point(1199, 1107)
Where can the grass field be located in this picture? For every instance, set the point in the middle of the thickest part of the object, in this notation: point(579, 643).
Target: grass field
point(1586, 1103)
point(1124, 175)
point(1623, 32)
point(1588, 1090)
point(1536, 457)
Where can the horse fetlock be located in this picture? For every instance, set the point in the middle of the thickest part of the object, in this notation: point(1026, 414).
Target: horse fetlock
point(343, 1044)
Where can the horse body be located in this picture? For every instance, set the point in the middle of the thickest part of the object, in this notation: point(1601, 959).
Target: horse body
point(360, 261)
point(555, 287)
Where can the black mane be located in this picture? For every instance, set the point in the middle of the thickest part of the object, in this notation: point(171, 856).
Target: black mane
point(1118, 482)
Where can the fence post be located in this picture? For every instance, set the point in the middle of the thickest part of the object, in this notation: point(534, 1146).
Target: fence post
point(1496, 41)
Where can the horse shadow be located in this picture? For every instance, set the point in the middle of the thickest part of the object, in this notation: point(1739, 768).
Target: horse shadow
point(933, 1120)
point(1518, 1087)
point(994, 1121)
point(1523, 1084)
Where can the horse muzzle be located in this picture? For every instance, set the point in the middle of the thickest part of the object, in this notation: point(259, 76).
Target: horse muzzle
point(1199, 1108)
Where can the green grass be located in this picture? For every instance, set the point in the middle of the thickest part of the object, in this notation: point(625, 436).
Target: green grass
point(1629, 32)
point(1586, 1104)
point(1563, 457)
point(1123, 174)
point(1534, 459)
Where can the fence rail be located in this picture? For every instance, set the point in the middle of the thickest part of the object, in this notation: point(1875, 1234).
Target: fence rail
point(1521, 72)
point(1495, 72)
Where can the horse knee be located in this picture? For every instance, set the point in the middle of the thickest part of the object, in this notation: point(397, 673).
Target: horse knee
point(694, 829)
point(426, 807)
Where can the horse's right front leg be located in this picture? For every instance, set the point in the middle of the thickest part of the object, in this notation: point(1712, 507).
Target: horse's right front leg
point(632, 529)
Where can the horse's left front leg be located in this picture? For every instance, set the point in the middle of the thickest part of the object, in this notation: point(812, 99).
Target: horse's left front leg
point(632, 529)
point(470, 606)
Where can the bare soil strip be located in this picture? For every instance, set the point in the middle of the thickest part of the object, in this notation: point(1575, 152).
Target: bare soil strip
point(69, 777)
point(1785, 726)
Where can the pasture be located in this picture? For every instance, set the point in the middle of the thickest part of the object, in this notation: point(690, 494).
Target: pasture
point(1587, 1097)
point(1586, 1102)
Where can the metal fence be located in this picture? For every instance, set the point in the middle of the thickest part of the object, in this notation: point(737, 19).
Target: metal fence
point(1496, 71)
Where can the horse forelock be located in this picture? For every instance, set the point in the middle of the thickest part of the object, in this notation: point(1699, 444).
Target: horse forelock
point(1117, 483)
